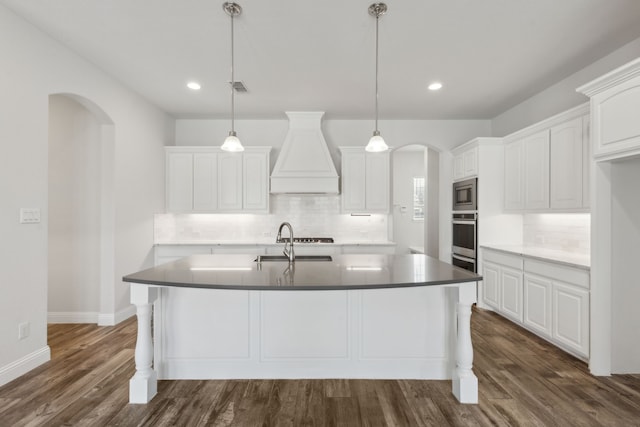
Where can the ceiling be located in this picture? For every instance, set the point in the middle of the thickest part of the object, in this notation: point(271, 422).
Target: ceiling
point(299, 55)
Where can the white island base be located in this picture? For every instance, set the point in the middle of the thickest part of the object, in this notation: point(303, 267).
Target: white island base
point(398, 333)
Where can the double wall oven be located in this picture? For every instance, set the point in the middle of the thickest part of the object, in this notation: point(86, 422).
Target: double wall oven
point(465, 224)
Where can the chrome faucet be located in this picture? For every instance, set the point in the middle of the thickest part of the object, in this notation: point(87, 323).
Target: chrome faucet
point(288, 253)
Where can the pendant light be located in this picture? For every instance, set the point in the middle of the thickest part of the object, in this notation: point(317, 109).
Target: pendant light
point(376, 143)
point(232, 143)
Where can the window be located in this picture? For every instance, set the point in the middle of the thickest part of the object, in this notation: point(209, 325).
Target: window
point(418, 198)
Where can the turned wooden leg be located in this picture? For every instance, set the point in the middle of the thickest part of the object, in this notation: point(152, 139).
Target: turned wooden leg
point(144, 384)
point(465, 383)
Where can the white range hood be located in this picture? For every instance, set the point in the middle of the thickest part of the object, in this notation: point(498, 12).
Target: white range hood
point(304, 164)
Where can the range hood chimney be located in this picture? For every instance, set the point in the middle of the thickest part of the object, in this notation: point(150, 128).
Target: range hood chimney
point(304, 165)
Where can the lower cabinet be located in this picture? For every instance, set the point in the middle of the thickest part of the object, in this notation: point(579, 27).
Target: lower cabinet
point(547, 298)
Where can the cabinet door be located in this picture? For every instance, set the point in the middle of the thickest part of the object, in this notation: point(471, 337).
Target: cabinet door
point(586, 161)
point(205, 182)
point(230, 181)
point(255, 182)
point(571, 317)
point(491, 285)
point(377, 182)
point(470, 162)
point(536, 171)
point(179, 182)
point(537, 304)
point(458, 166)
point(513, 176)
point(565, 159)
point(511, 293)
point(353, 181)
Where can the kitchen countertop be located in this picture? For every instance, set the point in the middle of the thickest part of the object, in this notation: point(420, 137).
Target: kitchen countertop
point(271, 242)
point(354, 271)
point(571, 259)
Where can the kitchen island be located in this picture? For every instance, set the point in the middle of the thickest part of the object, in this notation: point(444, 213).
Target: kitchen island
point(353, 316)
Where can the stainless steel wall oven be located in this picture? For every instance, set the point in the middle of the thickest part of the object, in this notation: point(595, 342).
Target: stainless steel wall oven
point(464, 240)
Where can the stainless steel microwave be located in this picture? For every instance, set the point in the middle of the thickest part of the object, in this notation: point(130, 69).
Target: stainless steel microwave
point(465, 195)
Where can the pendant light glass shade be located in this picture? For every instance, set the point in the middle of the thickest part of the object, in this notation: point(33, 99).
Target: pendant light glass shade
point(376, 143)
point(232, 143)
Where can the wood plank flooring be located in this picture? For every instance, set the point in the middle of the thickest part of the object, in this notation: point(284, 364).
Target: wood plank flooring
point(523, 381)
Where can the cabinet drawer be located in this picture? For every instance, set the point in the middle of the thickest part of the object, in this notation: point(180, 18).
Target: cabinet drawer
point(574, 276)
point(513, 261)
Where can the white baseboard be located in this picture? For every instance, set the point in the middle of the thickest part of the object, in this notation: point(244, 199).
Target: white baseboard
point(102, 319)
point(110, 319)
point(72, 317)
point(23, 365)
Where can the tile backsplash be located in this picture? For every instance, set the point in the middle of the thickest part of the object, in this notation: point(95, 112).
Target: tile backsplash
point(566, 232)
point(309, 215)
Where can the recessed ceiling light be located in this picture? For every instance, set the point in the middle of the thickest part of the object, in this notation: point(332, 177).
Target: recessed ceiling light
point(435, 86)
point(193, 85)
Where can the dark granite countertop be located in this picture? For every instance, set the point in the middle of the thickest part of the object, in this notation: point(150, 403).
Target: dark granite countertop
point(352, 271)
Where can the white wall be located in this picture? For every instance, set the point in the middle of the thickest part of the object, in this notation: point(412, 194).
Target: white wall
point(34, 67)
point(74, 210)
point(406, 166)
point(625, 282)
point(562, 95)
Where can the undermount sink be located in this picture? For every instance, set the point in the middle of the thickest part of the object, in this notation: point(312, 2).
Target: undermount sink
point(273, 258)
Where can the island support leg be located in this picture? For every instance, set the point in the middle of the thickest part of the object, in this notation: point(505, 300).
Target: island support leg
point(465, 383)
point(144, 384)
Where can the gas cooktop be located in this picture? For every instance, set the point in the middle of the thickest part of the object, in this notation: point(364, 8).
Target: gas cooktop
point(307, 240)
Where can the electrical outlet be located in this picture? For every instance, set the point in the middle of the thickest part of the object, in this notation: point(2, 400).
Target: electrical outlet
point(24, 329)
point(29, 216)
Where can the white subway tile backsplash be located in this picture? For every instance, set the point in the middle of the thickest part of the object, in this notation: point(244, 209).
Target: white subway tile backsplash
point(309, 215)
point(565, 232)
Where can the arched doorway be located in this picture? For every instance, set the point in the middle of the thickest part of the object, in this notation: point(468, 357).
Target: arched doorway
point(416, 210)
point(80, 211)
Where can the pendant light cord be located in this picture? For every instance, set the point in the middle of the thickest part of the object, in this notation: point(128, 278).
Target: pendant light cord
point(232, 81)
point(377, 19)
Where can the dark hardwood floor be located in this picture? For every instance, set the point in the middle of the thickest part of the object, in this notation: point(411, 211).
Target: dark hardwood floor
point(523, 381)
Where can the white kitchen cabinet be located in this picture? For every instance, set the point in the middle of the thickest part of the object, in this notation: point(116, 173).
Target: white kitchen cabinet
point(548, 298)
point(230, 182)
point(586, 161)
point(208, 180)
point(566, 160)
point(465, 163)
point(255, 181)
point(491, 284)
point(205, 182)
point(537, 304)
point(514, 176)
point(511, 293)
point(502, 283)
point(571, 317)
point(547, 165)
point(536, 171)
point(365, 181)
point(179, 181)
point(615, 101)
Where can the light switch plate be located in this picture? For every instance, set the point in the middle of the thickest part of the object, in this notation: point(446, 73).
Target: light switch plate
point(29, 215)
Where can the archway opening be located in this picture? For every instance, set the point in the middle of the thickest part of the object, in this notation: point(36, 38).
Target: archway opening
point(80, 211)
point(415, 199)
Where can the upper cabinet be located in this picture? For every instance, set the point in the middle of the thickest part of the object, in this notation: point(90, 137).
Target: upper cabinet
point(567, 163)
point(615, 102)
point(365, 181)
point(206, 179)
point(465, 163)
point(547, 165)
